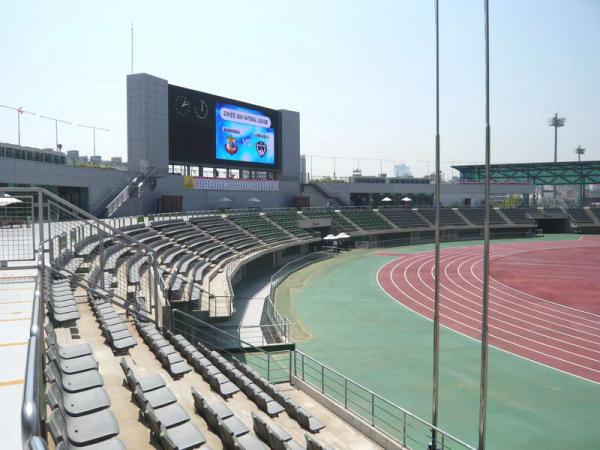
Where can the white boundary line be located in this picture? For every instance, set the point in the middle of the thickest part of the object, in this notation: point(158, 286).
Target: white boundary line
point(471, 338)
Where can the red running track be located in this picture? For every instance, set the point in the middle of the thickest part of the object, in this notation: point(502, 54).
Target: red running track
point(544, 298)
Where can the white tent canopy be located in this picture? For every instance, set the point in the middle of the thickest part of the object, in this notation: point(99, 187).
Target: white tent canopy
point(225, 199)
point(386, 199)
point(254, 200)
point(6, 200)
point(407, 199)
point(329, 237)
point(342, 235)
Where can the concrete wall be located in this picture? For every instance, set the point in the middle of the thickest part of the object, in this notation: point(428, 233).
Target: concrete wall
point(451, 193)
point(99, 182)
point(147, 122)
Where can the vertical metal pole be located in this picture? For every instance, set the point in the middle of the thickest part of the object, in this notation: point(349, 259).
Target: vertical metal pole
point(334, 159)
point(101, 260)
point(486, 244)
point(41, 220)
point(404, 430)
point(269, 366)
point(436, 290)
point(19, 128)
point(345, 392)
point(132, 48)
point(154, 290)
point(555, 148)
point(372, 409)
point(555, 137)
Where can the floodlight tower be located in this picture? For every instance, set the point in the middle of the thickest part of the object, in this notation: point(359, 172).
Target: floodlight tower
point(581, 151)
point(19, 111)
point(556, 122)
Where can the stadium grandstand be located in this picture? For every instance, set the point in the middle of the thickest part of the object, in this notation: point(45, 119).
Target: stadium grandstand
point(157, 298)
point(211, 292)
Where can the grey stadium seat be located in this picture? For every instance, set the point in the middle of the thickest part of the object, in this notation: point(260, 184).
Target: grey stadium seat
point(180, 437)
point(75, 382)
point(156, 398)
point(83, 430)
point(273, 435)
point(79, 403)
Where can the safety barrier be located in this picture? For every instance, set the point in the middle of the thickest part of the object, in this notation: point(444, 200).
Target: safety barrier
point(33, 406)
point(396, 422)
point(413, 240)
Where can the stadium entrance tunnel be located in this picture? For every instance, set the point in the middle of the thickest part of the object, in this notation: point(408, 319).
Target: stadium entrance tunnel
point(553, 226)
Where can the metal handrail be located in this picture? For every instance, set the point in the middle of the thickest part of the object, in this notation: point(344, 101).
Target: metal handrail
point(190, 326)
point(216, 334)
point(33, 406)
point(281, 323)
point(370, 396)
point(138, 182)
point(429, 239)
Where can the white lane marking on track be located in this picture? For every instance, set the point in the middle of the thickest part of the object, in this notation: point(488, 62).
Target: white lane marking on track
point(470, 338)
point(477, 329)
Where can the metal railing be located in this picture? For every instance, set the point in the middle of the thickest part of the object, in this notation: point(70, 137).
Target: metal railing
point(393, 420)
point(33, 406)
point(275, 366)
point(133, 189)
point(17, 229)
point(282, 365)
point(413, 240)
point(278, 322)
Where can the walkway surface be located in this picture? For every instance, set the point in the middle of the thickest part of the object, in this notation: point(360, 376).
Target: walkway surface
point(248, 303)
point(530, 406)
point(16, 298)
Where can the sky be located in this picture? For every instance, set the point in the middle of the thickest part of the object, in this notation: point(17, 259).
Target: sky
point(361, 74)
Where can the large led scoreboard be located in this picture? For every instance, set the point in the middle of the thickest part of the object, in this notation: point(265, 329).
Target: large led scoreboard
point(212, 130)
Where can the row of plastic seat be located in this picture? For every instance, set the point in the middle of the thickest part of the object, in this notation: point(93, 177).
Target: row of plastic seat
point(168, 356)
point(62, 307)
point(80, 416)
point(222, 374)
point(169, 423)
point(222, 421)
point(113, 325)
point(68, 262)
point(218, 381)
point(306, 419)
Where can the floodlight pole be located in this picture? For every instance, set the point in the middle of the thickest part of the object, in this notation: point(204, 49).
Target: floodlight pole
point(486, 244)
point(580, 151)
point(94, 128)
point(19, 111)
point(56, 126)
point(436, 294)
point(556, 122)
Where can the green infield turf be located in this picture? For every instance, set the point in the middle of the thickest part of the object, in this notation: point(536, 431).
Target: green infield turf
point(343, 318)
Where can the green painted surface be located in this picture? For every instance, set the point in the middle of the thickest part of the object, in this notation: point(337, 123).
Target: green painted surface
point(344, 319)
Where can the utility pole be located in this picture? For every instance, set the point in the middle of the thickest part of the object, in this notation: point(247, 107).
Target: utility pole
point(19, 111)
point(56, 127)
point(94, 128)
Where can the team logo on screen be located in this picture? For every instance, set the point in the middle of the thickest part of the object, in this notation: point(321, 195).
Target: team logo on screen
point(231, 146)
point(261, 148)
